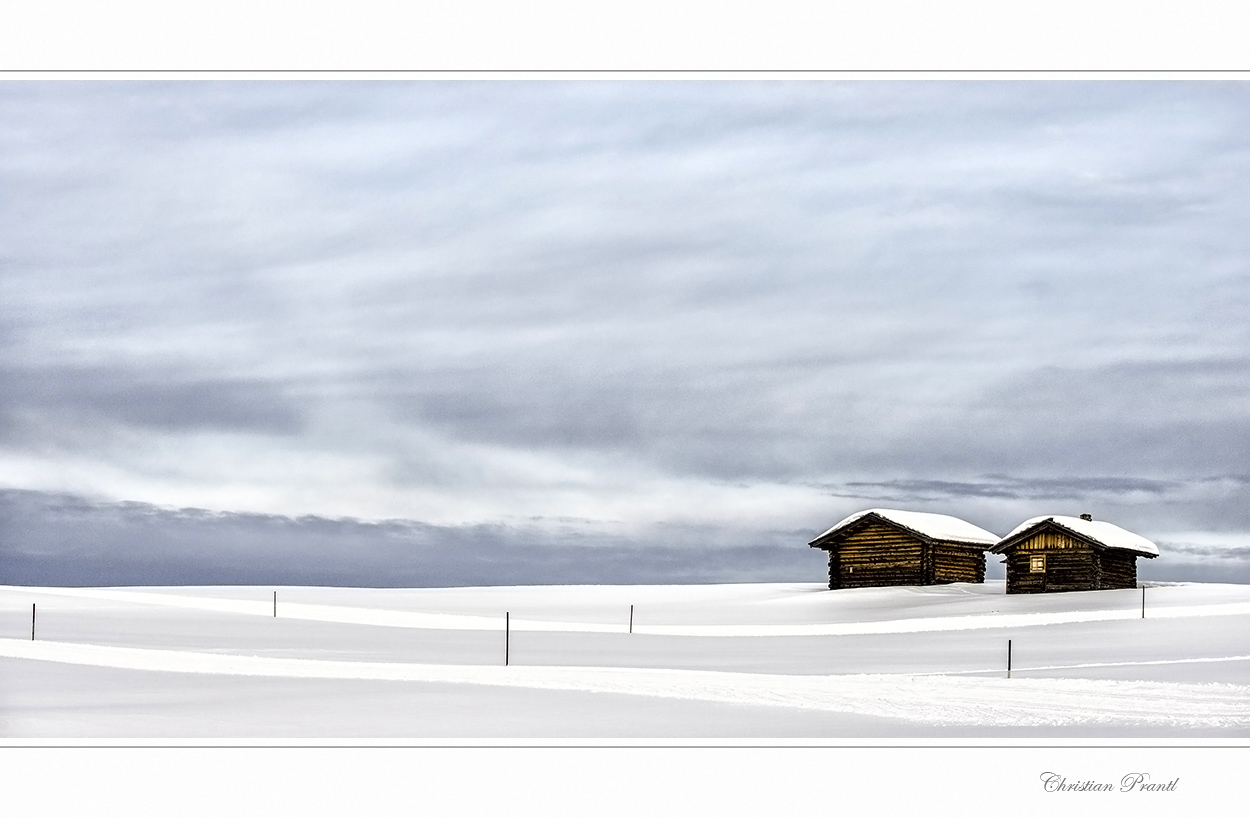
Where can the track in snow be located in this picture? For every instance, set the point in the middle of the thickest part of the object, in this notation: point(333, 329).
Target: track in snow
point(941, 700)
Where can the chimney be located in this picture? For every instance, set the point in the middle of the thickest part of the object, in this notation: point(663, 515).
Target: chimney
point(1089, 517)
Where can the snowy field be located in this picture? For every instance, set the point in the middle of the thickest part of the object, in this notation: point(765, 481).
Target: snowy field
point(715, 661)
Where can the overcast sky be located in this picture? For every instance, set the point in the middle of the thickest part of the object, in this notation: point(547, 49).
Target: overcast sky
point(697, 317)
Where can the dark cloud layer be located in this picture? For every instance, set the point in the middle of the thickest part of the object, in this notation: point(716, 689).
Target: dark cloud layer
point(48, 539)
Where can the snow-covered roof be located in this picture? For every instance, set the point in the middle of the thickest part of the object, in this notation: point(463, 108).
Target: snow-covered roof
point(1105, 534)
point(933, 526)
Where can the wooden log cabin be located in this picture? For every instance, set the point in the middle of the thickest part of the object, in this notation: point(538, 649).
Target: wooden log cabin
point(1049, 554)
point(883, 546)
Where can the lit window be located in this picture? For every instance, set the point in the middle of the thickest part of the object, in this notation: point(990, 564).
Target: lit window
point(1037, 564)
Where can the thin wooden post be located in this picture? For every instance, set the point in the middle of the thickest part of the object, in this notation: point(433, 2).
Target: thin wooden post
point(275, 604)
point(1008, 658)
point(631, 618)
point(1143, 602)
point(32, 622)
point(507, 635)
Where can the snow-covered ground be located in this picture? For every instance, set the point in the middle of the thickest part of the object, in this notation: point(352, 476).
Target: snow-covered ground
point(750, 661)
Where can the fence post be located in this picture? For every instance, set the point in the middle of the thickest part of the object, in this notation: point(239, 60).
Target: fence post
point(32, 622)
point(1008, 658)
point(507, 635)
point(631, 618)
point(1143, 602)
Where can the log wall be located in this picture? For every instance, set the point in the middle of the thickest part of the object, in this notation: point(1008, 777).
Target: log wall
point(954, 564)
point(1066, 570)
point(1071, 565)
point(877, 554)
point(1118, 569)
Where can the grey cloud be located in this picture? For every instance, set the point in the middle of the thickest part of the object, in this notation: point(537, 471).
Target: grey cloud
point(531, 419)
point(163, 400)
point(1153, 423)
point(1235, 553)
point(1016, 488)
point(1135, 417)
point(48, 539)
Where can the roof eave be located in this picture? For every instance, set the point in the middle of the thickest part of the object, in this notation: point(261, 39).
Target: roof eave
point(828, 536)
point(1021, 536)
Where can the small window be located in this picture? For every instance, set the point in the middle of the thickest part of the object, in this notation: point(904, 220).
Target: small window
point(1037, 564)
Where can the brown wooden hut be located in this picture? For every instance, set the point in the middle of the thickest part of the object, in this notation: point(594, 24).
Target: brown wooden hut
point(882, 546)
point(1049, 554)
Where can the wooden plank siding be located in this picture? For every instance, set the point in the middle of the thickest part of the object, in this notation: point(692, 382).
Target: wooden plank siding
point(1071, 565)
point(877, 554)
point(955, 564)
point(1067, 569)
point(1118, 569)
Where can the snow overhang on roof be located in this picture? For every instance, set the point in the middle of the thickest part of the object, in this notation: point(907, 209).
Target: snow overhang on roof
point(941, 527)
point(1100, 533)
